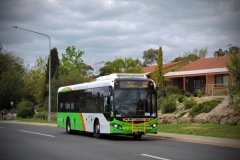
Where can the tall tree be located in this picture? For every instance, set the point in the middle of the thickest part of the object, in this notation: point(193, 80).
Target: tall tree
point(150, 57)
point(160, 68)
point(54, 65)
point(234, 80)
point(72, 60)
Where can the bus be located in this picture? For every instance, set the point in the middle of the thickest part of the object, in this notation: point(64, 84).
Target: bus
point(116, 104)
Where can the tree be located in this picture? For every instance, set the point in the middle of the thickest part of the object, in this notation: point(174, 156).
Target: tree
point(106, 70)
point(89, 71)
point(34, 81)
point(150, 57)
point(193, 55)
point(160, 68)
point(220, 52)
point(97, 66)
point(11, 78)
point(71, 60)
point(54, 65)
point(132, 66)
point(128, 65)
point(234, 80)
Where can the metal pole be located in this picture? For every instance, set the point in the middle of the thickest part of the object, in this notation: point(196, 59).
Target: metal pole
point(49, 67)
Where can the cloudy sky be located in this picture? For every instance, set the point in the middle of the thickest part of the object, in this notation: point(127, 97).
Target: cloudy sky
point(110, 29)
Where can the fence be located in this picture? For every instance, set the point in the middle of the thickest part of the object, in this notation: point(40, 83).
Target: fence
point(216, 90)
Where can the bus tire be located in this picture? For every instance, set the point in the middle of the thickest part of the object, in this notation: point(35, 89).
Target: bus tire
point(137, 136)
point(68, 126)
point(96, 129)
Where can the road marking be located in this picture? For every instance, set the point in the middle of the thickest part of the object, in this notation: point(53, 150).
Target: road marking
point(37, 133)
point(146, 155)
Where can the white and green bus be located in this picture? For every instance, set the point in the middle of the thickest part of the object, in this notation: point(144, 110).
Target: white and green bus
point(123, 104)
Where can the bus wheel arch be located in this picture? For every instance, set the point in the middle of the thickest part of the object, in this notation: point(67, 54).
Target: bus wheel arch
point(96, 129)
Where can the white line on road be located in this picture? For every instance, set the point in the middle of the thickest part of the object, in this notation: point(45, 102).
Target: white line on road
point(146, 155)
point(37, 133)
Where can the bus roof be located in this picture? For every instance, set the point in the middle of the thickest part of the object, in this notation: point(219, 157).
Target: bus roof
point(121, 75)
point(101, 81)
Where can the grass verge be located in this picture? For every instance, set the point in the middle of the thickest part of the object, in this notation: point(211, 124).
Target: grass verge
point(210, 130)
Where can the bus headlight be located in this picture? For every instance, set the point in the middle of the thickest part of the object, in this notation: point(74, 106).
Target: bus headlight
point(154, 125)
point(117, 126)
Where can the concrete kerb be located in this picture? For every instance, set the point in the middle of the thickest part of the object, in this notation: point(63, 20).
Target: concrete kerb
point(235, 143)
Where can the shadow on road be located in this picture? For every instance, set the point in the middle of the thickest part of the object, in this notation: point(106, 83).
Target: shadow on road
point(113, 137)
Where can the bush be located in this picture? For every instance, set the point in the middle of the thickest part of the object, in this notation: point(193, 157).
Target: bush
point(180, 98)
point(172, 90)
point(187, 94)
point(204, 107)
point(25, 109)
point(41, 115)
point(189, 102)
point(168, 105)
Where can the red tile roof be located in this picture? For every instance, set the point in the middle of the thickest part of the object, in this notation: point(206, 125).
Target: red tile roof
point(206, 63)
point(165, 66)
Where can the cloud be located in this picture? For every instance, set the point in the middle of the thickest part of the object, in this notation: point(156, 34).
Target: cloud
point(106, 29)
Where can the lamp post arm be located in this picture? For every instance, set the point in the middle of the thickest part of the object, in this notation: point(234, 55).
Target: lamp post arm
point(49, 67)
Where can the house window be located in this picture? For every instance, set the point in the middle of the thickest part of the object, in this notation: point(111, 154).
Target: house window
point(221, 80)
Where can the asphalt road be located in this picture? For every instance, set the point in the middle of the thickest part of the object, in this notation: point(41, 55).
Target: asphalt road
point(23, 142)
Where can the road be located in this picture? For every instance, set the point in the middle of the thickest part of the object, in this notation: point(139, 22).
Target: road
point(23, 142)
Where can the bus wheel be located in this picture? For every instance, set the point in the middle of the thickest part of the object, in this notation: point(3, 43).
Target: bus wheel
point(137, 136)
point(97, 129)
point(68, 126)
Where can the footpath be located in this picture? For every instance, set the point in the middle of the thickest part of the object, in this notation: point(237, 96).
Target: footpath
point(235, 143)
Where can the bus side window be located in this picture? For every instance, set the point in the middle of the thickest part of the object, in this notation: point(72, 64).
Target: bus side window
point(106, 104)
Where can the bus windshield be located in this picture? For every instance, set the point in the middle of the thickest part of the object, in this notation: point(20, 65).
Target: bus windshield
point(135, 103)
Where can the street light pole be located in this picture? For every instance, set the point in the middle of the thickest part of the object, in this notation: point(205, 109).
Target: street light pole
point(49, 67)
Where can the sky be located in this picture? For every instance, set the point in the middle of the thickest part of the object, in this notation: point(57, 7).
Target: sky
point(110, 29)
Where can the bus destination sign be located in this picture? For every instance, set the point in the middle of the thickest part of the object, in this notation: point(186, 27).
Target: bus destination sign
point(133, 84)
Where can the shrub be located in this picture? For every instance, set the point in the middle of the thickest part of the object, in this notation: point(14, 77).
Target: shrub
point(195, 110)
point(41, 115)
point(180, 98)
point(204, 107)
point(187, 94)
point(168, 105)
point(189, 102)
point(25, 109)
point(172, 90)
point(199, 94)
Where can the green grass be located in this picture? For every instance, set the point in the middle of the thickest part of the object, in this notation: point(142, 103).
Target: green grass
point(36, 120)
point(211, 130)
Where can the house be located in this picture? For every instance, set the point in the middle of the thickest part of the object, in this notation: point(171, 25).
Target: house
point(168, 67)
point(206, 75)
